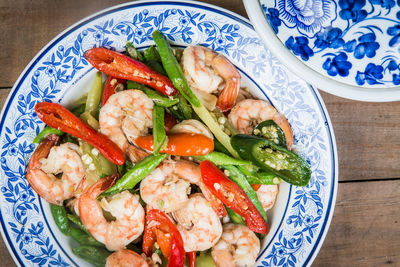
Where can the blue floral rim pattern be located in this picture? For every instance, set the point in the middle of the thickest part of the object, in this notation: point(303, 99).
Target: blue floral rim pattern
point(25, 227)
point(353, 41)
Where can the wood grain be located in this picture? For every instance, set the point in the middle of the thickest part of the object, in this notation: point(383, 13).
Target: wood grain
point(367, 136)
point(366, 226)
point(27, 26)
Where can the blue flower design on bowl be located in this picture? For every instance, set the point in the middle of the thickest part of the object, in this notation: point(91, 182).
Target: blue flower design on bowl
point(355, 41)
point(307, 16)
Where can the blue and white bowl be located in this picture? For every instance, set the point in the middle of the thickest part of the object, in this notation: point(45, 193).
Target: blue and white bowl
point(59, 73)
point(350, 48)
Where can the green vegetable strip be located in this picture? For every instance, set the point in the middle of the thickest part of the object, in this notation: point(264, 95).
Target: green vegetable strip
point(153, 60)
point(79, 110)
point(76, 220)
point(133, 53)
point(177, 77)
point(157, 98)
point(89, 119)
point(83, 238)
point(240, 179)
point(220, 148)
point(214, 127)
point(236, 218)
point(95, 255)
point(135, 175)
point(102, 165)
point(159, 134)
point(184, 107)
point(221, 159)
point(94, 95)
point(260, 177)
point(173, 69)
point(151, 53)
point(44, 133)
point(60, 217)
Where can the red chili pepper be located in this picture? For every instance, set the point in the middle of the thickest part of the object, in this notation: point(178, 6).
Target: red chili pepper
point(58, 117)
point(192, 258)
point(123, 67)
point(232, 196)
point(159, 228)
point(109, 88)
point(180, 144)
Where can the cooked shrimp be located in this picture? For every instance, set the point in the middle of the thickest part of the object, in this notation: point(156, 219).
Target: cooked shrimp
point(126, 258)
point(267, 195)
point(238, 246)
point(124, 207)
point(249, 112)
point(136, 154)
point(126, 116)
point(191, 126)
point(49, 160)
point(168, 186)
point(207, 71)
point(198, 224)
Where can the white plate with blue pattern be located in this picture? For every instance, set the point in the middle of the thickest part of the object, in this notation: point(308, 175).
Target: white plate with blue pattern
point(59, 73)
point(349, 48)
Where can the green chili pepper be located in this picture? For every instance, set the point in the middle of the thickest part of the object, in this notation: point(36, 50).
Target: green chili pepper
point(83, 238)
point(157, 98)
point(271, 131)
point(76, 220)
point(45, 132)
point(240, 179)
point(94, 95)
point(135, 175)
point(133, 53)
point(159, 134)
point(60, 217)
point(236, 218)
point(177, 77)
point(273, 158)
point(219, 158)
point(95, 255)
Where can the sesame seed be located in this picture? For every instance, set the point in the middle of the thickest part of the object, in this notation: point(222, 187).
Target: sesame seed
point(91, 167)
point(227, 173)
point(256, 131)
point(221, 120)
point(95, 152)
point(276, 180)
point(217, 186)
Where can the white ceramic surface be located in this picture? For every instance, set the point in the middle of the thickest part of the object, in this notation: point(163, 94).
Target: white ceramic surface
point(59, 73)
point(346, 48)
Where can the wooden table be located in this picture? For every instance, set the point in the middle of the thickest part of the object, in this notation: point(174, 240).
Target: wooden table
point(365, 229)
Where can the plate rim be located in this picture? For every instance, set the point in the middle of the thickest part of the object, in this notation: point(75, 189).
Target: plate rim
point(319, 241)
point(301, 69)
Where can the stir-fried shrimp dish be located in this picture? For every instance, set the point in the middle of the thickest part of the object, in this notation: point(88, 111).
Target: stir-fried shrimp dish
point(168, 161)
